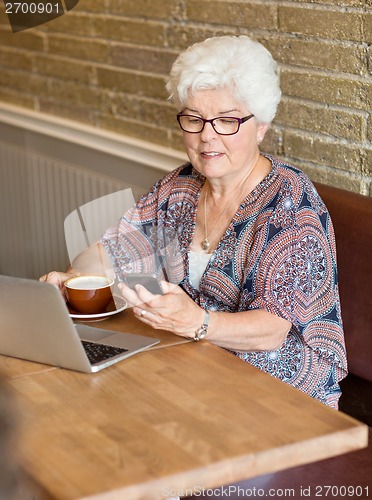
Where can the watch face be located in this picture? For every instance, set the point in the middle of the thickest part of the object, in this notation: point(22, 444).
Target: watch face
point(201, 333)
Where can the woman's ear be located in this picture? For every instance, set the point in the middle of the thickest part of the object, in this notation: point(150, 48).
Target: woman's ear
point(261, 131)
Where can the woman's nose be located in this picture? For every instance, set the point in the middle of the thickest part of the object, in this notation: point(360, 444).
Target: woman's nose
point(208, 132)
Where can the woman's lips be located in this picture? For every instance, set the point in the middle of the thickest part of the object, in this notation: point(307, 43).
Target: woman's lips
point(210, 154)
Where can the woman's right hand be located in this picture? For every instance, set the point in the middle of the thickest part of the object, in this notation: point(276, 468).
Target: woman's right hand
point(58, 279)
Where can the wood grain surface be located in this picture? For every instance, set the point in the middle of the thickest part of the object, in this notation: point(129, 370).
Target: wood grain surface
point(179, 417)
point(122, 322)
point(127, 322)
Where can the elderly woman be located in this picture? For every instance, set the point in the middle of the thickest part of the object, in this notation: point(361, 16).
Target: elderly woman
point(258, 262)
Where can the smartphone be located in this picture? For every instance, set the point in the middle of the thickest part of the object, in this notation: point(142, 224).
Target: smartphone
point(148, 280)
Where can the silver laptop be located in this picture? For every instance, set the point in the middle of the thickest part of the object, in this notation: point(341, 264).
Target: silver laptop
point(35, 325)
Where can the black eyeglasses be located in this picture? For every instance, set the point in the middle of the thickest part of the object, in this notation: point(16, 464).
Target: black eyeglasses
point(224, 125)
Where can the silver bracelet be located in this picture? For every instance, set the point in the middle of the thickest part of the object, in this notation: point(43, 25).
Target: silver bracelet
point(202, 331)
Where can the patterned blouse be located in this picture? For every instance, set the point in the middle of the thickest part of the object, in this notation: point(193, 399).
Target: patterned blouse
point(278, 254)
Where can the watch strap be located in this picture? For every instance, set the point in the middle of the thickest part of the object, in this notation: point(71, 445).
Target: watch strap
point(202, 331)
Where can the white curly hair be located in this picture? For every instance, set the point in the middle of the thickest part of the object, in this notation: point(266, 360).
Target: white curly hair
point(235, 62)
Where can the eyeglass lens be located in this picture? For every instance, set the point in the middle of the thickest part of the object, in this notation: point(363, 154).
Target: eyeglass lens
point(225, 125)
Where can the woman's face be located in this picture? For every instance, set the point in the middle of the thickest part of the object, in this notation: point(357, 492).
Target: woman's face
point(217, 156)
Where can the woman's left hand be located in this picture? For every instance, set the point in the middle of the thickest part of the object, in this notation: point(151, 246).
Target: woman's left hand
point(174, 311)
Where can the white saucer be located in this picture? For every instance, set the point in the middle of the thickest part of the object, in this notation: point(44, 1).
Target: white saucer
point(117, 305)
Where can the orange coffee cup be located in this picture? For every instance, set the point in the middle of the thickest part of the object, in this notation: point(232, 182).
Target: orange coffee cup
point(89, 294)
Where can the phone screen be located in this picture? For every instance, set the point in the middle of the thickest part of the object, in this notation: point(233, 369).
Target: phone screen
point(148, 280)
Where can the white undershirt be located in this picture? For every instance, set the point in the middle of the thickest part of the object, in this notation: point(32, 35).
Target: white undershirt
point(197, 265)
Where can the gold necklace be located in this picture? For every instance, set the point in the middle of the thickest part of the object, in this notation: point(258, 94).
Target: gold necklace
point(205, 244)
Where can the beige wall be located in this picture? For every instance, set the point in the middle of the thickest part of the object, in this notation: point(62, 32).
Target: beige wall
point(105, 63)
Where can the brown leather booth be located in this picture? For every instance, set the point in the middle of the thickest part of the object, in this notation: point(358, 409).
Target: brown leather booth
point(352, 220)
point(351, 215)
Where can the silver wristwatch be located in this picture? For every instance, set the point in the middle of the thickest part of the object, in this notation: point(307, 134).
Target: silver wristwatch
point(202, 331)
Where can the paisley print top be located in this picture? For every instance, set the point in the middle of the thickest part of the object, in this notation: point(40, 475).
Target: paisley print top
point(278, 254)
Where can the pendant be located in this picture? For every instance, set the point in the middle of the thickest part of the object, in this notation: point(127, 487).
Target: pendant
point(205, 244)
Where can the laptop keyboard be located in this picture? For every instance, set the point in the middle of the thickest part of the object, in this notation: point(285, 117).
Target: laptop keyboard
point(100, 352)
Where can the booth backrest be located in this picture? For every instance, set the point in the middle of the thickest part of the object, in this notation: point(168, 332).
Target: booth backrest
point(351, 215)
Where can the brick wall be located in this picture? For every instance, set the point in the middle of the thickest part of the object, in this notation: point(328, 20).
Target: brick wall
point(105, 62)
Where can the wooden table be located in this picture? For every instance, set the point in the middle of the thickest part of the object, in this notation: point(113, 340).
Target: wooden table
point(183, 415)
point(123, 322)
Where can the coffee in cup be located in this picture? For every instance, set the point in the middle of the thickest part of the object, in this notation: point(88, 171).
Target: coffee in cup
point(89, 294)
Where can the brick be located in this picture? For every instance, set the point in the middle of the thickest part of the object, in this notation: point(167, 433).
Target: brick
point(330, 90)
point(287, 49)
point(153, 9)
point(142, 59)
point(72, 23)
point(175, 141)
point(131, 82)
point(16, 59)
point(143, 32)
point(332, 154)
point(19, 98)
point(321, 22)
point(78, 48)
point(141, 110)
point(74, 93)
point(24, 82)
point(331, 177)
point(236, 13)
point(321, 119)
point(367, 161)
point(71, 111)
point(180, 37)
point(132, 128)
point(3, 17)
point(273, 141)
point(93, 6)
point(337, 3)
point(369, 128)
point(28, 39)
point(64, 68)
point(367, 27)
